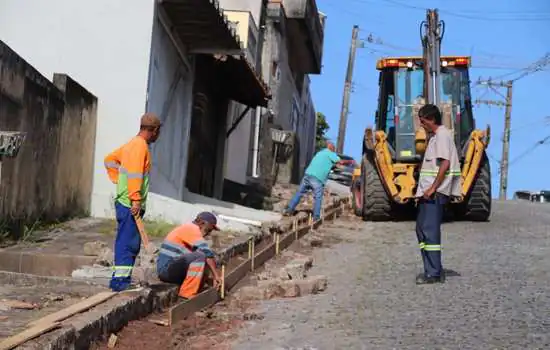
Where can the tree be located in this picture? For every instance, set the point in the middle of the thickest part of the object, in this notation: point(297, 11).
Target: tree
point(322, 128)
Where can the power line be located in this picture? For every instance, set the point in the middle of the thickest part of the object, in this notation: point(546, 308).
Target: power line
point(467, 16)
point(537, 66)
point(531, 149)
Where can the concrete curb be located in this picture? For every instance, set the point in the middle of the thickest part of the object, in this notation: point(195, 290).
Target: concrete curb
point(82, 330)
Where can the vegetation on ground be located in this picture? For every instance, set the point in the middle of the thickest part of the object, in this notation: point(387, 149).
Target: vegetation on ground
point(154, 228)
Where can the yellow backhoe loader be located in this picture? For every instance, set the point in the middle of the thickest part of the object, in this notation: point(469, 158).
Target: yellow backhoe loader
point(392, 150)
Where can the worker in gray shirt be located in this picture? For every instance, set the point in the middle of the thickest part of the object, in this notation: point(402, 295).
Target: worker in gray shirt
point(439, 180)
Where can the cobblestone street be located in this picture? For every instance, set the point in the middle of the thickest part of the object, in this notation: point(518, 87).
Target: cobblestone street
point(495, 299)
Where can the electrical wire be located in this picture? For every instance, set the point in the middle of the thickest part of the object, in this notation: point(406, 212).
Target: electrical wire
point(531, 149)
point(544, 120)
point(472, 17)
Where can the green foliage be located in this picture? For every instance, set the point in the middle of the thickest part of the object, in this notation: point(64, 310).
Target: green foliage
point(322, 128)
point(154, 228)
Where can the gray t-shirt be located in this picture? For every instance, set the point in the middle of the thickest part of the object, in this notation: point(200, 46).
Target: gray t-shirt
point(440, 146)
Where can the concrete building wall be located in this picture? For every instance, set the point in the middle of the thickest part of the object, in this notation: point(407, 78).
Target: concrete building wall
point(103, 44)
point(170, 97)
point(238, 144)
point(307, 127)
point(254, 6)
point(51, 177)
point(245, 14)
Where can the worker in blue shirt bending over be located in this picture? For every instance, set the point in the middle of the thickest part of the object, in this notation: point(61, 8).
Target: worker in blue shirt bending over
point(315, 178)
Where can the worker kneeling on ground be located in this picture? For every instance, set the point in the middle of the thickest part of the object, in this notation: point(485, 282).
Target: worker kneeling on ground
point(184, 254)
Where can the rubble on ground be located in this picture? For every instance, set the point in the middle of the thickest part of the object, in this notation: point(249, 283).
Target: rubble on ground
point(289, 281)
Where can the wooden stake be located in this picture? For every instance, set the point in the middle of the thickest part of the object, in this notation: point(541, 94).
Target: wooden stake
point(223, 283)
point(252, 255)
point(142, 232)
point(277, 244)
point(295, 228)
point(112, 341)
point(250, 248)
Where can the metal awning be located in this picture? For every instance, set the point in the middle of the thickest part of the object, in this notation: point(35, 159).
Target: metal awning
point(240, 82)
point(201, 26)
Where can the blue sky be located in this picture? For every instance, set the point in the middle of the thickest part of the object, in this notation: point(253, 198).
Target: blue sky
point(501, 36)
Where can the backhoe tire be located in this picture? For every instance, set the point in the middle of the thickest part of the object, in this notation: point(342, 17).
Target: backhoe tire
point(477, 206)
point(357, 199)
point(376, 204)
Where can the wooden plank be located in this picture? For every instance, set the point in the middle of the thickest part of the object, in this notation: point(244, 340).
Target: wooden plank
point(237, 274)
point(162, 322)
point(112, 341)
point(287, 240)
point(263, 256)
point(28, 334)
point(74, 309)
point(181, 311)
point(17, 304)
point(142, 233)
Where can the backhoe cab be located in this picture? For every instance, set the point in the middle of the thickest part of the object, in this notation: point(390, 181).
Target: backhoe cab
point(393, 150)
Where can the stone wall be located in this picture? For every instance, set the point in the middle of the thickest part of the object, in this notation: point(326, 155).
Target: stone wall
point(51, 177)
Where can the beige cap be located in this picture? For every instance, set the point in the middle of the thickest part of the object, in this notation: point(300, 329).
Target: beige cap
point(150, 119)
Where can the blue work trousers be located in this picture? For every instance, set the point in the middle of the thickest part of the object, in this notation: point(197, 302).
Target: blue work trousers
point(317, 187)
point(127, 246)
point(428, 232)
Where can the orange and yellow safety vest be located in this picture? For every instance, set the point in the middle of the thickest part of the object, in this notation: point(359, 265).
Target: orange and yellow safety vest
point(128, 167)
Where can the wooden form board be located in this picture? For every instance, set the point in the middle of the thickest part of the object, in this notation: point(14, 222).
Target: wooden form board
point(238, 274)
point(74, 309)
point(181, 311)
point(211, 296)
point(28, 334)
point(52, 321)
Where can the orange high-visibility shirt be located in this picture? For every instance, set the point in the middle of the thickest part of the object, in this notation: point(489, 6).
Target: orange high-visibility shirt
point(189, 237)
point(128, 166)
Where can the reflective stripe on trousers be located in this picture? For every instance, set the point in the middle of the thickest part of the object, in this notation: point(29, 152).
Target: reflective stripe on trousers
point(430, 247)
point(428, 232)
point(127, 246)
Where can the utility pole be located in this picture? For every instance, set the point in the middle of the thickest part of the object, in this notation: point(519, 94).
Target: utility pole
point(507, 127)
point(506, 143)
point(347, 91)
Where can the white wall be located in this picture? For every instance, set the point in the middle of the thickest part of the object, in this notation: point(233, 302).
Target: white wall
point(238, 143)
point(254, 6)
point(105, 46)
point(170, 97)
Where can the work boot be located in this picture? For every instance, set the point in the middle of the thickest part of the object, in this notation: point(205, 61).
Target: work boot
point(422, 279)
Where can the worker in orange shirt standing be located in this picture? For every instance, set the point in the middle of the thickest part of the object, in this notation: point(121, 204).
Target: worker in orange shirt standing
point(128, 167)
point(184, 254)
